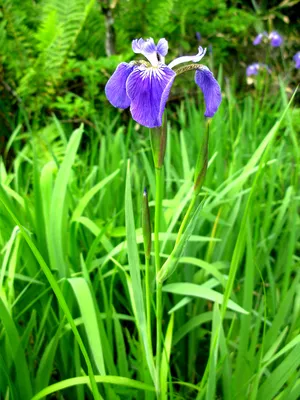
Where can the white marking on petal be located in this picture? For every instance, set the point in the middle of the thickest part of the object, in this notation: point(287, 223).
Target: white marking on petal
point(184, 59)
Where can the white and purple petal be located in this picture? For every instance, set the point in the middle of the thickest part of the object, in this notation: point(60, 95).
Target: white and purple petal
point(211, 90)
point(145, 88)
point(196, 58)
point(115, 89)
point(149, 46)
point(162, 47)
point(137, 45)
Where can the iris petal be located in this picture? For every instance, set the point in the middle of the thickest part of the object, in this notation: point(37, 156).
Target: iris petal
point(115, 88)
point(196, 58)
point(149, 46)
point(258, 39)
point(162, 47)
point(211, 90)
point(145, 88)
point(137, 45)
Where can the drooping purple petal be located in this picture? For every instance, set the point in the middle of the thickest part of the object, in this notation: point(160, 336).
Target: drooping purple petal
point(145, 87)
point(211, 90)
point(165, 96)
point(115, 88)
point(258, 39)
point(162, 47)
point(296, 58)
point(275, 39)
point(252, 69)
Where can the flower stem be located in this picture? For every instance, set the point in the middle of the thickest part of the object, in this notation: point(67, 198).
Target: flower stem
point(158, 209)
point(148, 300)
point(186, 217)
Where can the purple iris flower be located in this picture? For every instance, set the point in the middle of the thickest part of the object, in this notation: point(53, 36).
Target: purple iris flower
point(254, 68)
point(145, 86)
point(296, 58)
point(275, 39)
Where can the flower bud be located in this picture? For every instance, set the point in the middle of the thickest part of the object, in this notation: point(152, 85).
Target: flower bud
point(158, 143)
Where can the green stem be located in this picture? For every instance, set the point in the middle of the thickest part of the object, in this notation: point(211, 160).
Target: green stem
point(159, 312)
point(148, 300)
point(186, 217)
point(158, 209)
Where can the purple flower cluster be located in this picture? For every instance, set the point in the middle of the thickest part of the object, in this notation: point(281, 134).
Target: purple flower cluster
point(144, 86)
point(273, 38)
point(254, 68)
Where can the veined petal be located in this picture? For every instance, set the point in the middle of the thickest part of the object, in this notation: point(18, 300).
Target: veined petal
point(211, 90)
point(162, 47)
point(115, 88)
point(149, 46)
point(165, 96)
point(137, 45)
point(184, 59)
point(145, 88)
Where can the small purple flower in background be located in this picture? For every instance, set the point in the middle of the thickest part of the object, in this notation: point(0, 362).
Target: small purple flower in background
point(145, 86)
point(275, 39)
point(296, 58)
point(254, 68)
point(198, 36)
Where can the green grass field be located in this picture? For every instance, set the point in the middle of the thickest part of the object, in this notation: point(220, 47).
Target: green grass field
point(78, 306)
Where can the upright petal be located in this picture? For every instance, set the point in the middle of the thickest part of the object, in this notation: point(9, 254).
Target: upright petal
point(211, 90)
point(275, 39)
point(162, 47)
point(137, 45)
point(115, 88)
point(196, 58)
point(149, 46)
point(145, 88)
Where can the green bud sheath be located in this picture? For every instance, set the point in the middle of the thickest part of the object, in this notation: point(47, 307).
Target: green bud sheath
point(201, 166)
point(158, 143)
point(146, 224)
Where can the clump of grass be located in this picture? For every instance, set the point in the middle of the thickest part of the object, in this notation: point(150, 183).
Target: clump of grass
point(72, 283)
